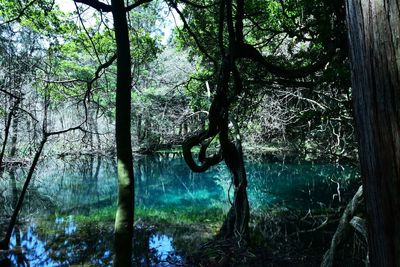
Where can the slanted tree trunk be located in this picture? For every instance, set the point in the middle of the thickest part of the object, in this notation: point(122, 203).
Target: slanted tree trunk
point(374, 35)
point(4, 244)
point(125, 206)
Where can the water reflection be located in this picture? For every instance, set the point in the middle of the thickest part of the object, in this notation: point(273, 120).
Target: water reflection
point(65, 244)
point(163, 247)
point(65, 189)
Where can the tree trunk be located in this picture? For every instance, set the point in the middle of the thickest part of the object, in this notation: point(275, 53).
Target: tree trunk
point(236, 223)
point(125, 206)
point(374, 29)
point(14, 136)
point(7, 130)
point(4, 244)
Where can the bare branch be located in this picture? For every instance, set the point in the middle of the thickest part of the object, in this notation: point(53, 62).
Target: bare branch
point(63, 81)
point(102, 67)
point(190, 3)
point(10, 94)
point(79, 127)
point(29, 114)
point(100, 6)
point(87, 33)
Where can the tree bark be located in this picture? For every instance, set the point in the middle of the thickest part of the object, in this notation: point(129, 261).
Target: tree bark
point(125, 206)
point(374, 30)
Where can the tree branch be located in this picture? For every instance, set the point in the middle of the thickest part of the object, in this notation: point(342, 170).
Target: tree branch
point(136, 4)
point(100, 6)
point(249, 52)
point(199, 5)
point(192, 34)
point(9, 94)
point(102, 67)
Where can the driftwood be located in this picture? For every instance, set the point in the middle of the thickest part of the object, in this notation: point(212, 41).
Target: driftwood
point(346, 224)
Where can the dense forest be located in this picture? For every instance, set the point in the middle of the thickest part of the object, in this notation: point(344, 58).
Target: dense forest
point(200, 133)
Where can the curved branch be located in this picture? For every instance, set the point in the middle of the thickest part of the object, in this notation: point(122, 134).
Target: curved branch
point(190, 3)
point(250, 52)
point(207, 162)
point(100, 6)
point(103, 66)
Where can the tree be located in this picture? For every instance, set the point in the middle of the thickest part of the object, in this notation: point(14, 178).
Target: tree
point(125, 206)
point(374, 28)
point(228, 38)
point(24, 12)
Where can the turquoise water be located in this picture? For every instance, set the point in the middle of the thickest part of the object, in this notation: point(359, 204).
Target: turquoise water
point(62, 190)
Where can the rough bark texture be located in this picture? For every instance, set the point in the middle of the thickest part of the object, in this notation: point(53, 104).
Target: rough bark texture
point(125, 206)
point(374, 35)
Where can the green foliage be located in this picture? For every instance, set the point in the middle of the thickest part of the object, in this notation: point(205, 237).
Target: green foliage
point(290, 34)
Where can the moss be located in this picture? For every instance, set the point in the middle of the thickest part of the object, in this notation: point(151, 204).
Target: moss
point(180, 216)
point(173, 216)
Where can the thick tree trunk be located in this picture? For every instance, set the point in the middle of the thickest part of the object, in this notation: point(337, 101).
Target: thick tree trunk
point(236, 223)
point(374, 35)
point(125, 206)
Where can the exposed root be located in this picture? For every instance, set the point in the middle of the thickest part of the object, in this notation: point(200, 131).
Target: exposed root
point(344, 228)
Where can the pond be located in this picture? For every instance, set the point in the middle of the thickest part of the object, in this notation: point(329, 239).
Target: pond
point(67, 216)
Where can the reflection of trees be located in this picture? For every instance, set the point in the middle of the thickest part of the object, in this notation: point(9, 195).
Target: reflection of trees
point(15, 194)
point(36, 201)
point(84, 184)
point(301, 185)
point(76, 186)
point(80, 186)
point(65, 242)
point(58, 244)
point(164, 180)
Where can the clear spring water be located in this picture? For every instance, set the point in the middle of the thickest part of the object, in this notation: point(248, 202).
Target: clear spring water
point(62, 190)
